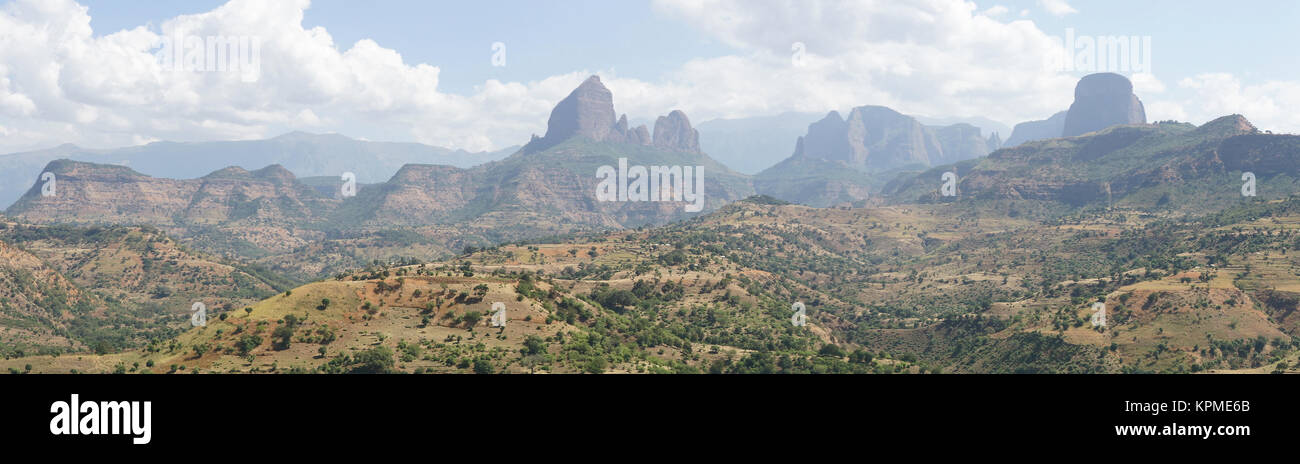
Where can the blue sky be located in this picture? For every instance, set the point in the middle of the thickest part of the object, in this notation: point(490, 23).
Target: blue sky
point(543, 38)
point(553, 37)
point(710, 58)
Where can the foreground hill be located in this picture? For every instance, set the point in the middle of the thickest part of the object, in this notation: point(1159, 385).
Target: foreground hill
point(917, 288)
point(74, 289)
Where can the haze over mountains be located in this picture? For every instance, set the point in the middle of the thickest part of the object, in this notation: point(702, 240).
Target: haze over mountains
point(546, 188)
point(306, 155)
point(838, 160)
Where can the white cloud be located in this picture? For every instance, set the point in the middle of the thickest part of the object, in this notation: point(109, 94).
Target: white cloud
point(59, 83)
point(1057, 8)
point(1146, 84)
point(996, 11)
point(1269, 105)
point(919, 57)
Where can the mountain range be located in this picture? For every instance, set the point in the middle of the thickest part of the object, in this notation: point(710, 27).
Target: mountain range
point(305, 154)
point(1183, 234)
point(545, 188)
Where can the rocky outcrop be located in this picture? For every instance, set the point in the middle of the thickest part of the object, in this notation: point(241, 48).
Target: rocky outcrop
point(1102, 100)
point(876, 138)
point(994, 141)
point(960, 142)
point(674, 132)
point(1029, 131)
point(588, 112)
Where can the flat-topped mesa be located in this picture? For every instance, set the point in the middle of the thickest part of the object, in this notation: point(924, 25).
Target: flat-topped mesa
point(588, 112)
point(1102, 100)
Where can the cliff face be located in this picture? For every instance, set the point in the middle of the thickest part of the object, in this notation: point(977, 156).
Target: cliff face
point(1029, 131)
point(588, 113)
point(1100, 101)
point(843, 160)
point(875, 138)
point(674, 132)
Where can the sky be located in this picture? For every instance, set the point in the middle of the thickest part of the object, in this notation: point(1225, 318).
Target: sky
point(485, 74)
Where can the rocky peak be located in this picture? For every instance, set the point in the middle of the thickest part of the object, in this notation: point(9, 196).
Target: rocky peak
point(674, 132)
point(994, 141)
point(826, 139)
point(1228, 126)
point(1102, 100)
point(587, 112)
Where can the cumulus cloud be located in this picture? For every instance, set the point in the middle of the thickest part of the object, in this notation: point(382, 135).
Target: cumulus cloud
point(1269, 105)
point(920, 57)
point(61, 83)
point(996, 11)
point(1057, 8)
point(58, 82)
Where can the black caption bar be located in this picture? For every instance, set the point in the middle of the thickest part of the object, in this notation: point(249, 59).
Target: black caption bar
point(186, 411)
